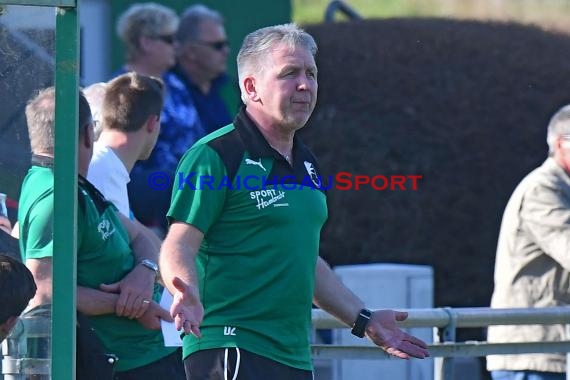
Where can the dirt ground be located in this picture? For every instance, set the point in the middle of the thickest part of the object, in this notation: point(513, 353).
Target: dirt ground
point(465, 105)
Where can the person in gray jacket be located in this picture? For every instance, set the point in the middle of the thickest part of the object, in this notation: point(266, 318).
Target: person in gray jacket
point(532, 267)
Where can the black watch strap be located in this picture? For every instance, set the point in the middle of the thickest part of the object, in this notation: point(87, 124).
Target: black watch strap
point(359, 326)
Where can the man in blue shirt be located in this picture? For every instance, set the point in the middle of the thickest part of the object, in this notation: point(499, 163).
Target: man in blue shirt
point(194, 106)
point(201, 64)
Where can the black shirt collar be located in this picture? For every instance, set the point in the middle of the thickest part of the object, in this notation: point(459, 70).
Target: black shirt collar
point(43, 161)
point(255, 142)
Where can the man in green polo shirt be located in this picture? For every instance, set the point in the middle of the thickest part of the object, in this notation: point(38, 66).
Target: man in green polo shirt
point(116, 281)
point(248, 205)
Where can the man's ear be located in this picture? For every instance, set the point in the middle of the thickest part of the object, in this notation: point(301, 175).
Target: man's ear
point(188, 50)
point(250, 89)
point(562, 143)
point(152, 123)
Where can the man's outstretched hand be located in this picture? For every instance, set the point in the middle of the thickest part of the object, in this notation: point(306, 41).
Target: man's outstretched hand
point(383, 330)
point(186, 309)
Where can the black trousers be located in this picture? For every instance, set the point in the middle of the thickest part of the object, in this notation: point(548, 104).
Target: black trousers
point(168, 368)
point(236, 364)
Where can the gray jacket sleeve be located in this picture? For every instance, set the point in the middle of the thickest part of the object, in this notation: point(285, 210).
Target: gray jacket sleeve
point(545, 215)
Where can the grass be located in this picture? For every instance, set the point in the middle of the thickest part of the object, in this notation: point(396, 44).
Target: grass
point(548, 13)
point(313, 11)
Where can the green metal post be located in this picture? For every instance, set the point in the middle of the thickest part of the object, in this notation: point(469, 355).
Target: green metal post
point(65, 186)
point(65, 194)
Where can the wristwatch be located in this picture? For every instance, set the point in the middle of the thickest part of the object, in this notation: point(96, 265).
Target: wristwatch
point(359, 326)
point(150, 265)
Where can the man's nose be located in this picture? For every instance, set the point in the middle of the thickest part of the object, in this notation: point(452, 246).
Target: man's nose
point(304, 84)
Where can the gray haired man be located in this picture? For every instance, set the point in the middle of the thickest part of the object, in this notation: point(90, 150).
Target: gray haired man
point(243, 265)
point(532, 267)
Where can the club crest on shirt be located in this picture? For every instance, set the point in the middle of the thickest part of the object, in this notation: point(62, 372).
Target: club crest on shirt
point(313, 174)
point(105, 229)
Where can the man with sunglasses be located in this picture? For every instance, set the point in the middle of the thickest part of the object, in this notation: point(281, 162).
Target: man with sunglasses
point(202, 56)
point(532, 267)
point(193, 107)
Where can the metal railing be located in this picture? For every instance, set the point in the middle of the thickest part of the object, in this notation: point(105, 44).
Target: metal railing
point(449, 319)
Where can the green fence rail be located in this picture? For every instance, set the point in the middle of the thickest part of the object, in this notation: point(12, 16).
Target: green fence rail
point(449, 319)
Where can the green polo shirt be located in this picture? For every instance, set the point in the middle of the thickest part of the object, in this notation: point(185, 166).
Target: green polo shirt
point(261, 220)
point(104, 255)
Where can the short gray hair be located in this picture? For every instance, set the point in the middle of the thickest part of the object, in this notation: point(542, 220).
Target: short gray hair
point(559, 125)
point(193, 16)
point(40, 118)
point(144, 20)
point(259, 43)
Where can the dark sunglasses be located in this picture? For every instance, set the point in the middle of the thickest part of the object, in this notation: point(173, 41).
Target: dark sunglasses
point(167, 38)
point(216, 45)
